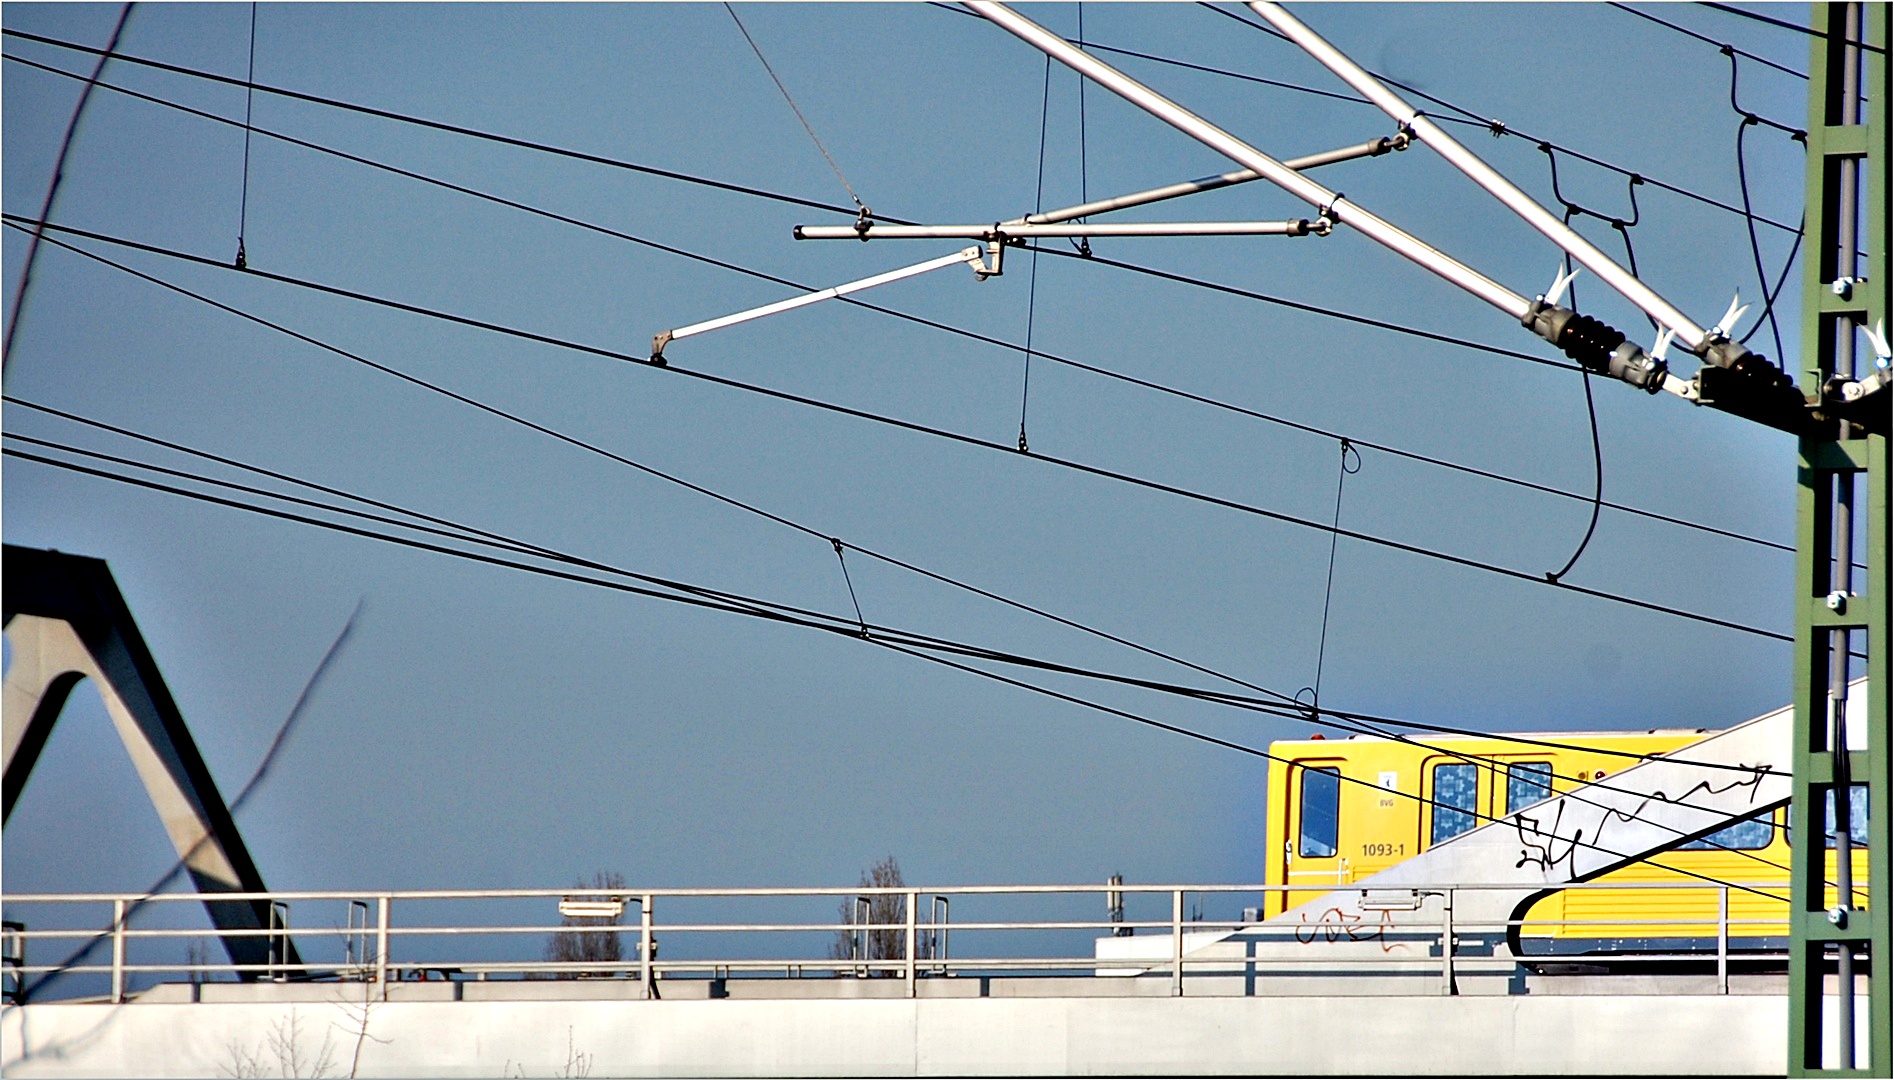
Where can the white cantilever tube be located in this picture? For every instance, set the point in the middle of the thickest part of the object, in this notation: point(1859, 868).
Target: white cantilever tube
point(1209, 183)
point(965, 255)
point(1026, 230)
point(1484, 175)
point(1327, 202)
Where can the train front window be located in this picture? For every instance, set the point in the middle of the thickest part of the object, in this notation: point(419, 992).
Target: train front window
point(1749, 834)
point(1455, 790)
point(1527, 782)
point(1321, 813)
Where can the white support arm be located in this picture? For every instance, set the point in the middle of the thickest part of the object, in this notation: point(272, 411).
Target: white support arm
point(1022, 230)
point(1372, 148)
point(1484, 175)
point(1328, 203)
point(970, 256)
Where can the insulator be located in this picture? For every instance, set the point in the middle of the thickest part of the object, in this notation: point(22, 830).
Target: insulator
point(1589, 341)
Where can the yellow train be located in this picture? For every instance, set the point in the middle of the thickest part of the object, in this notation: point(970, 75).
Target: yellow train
point(1324, 830)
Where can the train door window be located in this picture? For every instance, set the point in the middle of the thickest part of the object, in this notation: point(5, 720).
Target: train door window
point(1527, 782)
point(1456, 787)
point(1320, 828)
point(1857, 816)
point(1749, 834)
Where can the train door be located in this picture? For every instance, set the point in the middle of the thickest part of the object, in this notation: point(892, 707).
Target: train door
point(1312, 848)
point(1451, 790)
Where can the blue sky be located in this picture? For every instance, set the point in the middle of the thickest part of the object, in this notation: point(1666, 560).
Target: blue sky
point(486, 728)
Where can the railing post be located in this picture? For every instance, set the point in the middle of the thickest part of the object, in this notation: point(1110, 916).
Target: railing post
point(1446, 944)
point(644, 944)
point(1177, 943)
point(118, 951)
point(1723, 940)
point(382, 904)
point(913, 902)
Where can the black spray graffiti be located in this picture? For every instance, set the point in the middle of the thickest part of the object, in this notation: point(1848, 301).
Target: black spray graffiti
point(1547, 848)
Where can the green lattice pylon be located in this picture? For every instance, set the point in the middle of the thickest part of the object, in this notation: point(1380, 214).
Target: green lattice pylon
point(1836, 926)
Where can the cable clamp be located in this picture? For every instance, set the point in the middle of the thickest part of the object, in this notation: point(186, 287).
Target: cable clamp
point(1326, 217)
point(864, 220)
point(996, 252)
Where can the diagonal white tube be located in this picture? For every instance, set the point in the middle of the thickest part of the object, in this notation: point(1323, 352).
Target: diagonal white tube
point(967, 255)
point(1208, 183)
point(1338, 209)
point(1484, 175)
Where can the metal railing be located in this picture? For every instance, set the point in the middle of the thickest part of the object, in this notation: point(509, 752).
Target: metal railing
point(370, 945)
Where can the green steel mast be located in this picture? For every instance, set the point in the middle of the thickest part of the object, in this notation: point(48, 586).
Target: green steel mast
point(1837, 923)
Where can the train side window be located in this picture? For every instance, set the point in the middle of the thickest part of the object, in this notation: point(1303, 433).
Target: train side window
point(1321, 813)
point(1857, 816)
point(1455, 790)
point(1527, 782)
point(1749, 834)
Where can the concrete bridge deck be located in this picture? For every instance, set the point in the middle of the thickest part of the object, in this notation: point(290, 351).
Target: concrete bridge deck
point(336, 1030)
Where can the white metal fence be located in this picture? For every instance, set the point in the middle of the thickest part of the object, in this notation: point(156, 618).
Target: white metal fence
point(391, 937)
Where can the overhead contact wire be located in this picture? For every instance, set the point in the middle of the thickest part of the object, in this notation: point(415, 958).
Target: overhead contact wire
point(973, 335)
point(1496, 127)
point(918, 428)
point(716, 600)
point(795, 200)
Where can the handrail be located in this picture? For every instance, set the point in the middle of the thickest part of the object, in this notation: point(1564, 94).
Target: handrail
point(907, 947)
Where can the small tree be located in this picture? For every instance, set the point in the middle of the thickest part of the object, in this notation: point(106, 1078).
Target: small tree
point(589, 946)
point(886, 912)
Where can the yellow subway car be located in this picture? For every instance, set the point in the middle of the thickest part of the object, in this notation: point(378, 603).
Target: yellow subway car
point(1341, 810)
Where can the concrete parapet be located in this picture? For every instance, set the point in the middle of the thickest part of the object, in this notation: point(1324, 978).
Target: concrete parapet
point(1735, 1035)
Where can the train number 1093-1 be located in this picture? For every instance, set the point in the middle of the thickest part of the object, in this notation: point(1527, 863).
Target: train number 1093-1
point(1382, 851)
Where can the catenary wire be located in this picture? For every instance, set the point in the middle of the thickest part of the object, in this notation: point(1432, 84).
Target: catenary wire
point(1779, 23)
point(1496, 127)
point(452, 129)
point(914, 645)
point(1066, 361)
point(1687, 32)
point(1357, 723)
point(460, 531)
point(750, 605)
point(670, 174)
point(1748, 120)
point(1131, 267)
point(1363, 722)
point(697, 488)
point(1597, 443)
point(894, 422)
point(1209, 695)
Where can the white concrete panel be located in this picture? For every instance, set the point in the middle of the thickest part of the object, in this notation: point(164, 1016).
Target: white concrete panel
point(1557, 1035)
